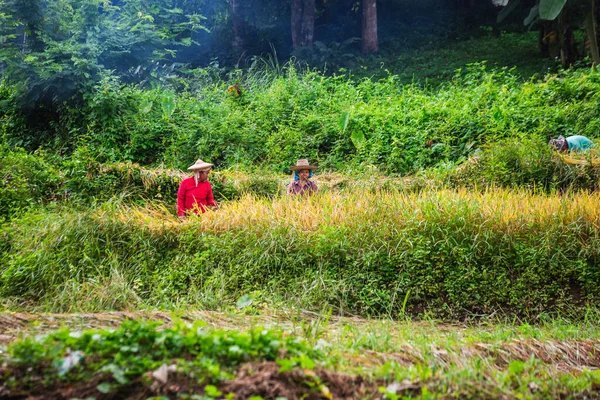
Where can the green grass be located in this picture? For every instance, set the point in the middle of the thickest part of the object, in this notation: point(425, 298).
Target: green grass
point(88, 226)
point(436, 60)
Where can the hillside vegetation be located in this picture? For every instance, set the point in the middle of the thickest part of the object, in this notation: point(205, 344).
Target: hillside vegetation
point(450, 252)
point(311, 358)
point(412, 219)
point(279, 115)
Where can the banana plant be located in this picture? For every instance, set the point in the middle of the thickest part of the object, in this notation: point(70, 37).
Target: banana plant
point(591, 30)
point(551, 10)
point(168, 103)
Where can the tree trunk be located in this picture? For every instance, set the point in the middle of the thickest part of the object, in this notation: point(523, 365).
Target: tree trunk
point(308, 23)
point(590, 30)
point(596, 5)
point(303, 23)
point(568, 47)
point(296, 22)
point(370, 43)
point(238, 36)
point(543, 42)
point(30, 13)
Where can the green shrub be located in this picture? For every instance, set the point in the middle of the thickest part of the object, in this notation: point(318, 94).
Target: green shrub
point(86, 178)
point(38, 179)
point(279, 118)
point(11, 122)
point(523, 163)
point(123, 356)
point(26, 180)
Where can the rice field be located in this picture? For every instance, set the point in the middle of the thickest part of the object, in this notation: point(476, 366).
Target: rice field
point(453, 253)
point(499, 208)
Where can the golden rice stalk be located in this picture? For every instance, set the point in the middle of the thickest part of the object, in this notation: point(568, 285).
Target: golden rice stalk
point(589, 158)
point(386, 211)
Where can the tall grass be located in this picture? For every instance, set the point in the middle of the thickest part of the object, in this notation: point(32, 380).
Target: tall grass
point(450, 253)
point(500, 209)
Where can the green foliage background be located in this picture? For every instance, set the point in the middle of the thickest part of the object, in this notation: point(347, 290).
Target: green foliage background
point(280, 118)
point(92, 118)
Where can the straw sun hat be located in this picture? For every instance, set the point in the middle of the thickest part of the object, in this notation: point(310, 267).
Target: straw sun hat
point(200, 165)
point(303, 164)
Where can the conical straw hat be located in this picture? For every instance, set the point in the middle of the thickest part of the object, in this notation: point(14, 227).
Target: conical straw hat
point(200, 165)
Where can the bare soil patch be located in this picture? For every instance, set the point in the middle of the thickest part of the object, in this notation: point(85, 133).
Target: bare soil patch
point(253, 379)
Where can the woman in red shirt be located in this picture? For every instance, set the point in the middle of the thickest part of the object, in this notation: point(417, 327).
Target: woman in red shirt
point(195, 193)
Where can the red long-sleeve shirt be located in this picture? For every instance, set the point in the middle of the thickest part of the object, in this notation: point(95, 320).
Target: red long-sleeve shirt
point(192, 198)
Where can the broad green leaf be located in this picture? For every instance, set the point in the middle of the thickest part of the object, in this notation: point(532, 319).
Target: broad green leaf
point(104, 388)
point(534, 14)
point(549, 9)
point(117, 372)
point(358, 138)
point(306, 362)
point(244, 301)
point(506, 11)
point(211, 390)
point(146, 106)
point(168, 104)
point(344, 120)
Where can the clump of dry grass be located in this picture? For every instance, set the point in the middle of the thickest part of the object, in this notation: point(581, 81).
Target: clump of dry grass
point(585, 158)
point(153, 177)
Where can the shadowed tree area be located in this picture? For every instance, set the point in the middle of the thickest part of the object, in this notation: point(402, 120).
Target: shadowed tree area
point(58, 51)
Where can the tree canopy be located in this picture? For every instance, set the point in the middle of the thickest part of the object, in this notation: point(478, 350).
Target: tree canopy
point(55, 49)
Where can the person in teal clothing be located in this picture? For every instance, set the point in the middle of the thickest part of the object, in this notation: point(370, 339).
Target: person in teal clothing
point(571, 143)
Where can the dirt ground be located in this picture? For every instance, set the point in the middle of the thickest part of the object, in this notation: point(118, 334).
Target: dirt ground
point(253, 379)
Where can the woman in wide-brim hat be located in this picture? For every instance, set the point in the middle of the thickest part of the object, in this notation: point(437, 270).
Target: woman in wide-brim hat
point(195, 193)
point(302, 185)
